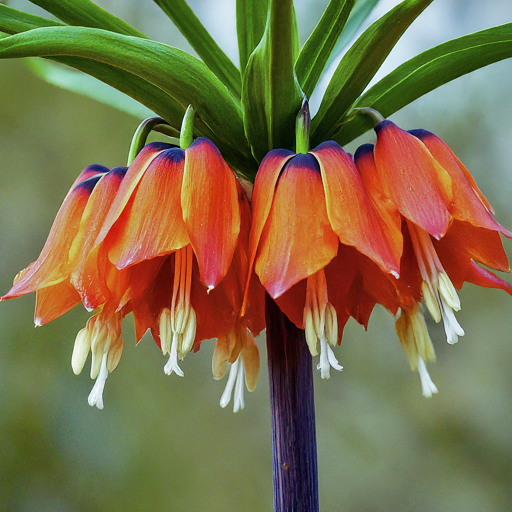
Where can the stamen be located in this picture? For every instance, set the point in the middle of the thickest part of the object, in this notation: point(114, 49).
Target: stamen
point(438, 291)
point(226, 396)
point(427, 386)
point(321, 323)
point(238, 401)
point(327, 359)
point(172, 363)
point(96, 396)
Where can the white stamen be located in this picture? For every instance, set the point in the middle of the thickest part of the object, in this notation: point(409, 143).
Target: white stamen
point(427, 386)
point(172, 363)
point(238, 401)
point(327, 359)
point(452, 327)
point(96, 394)
point(226, 396)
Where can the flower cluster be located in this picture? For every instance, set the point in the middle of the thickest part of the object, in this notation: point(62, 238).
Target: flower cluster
point(174, 240)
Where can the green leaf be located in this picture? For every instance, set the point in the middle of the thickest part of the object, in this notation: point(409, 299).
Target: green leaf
point(203, 43)
point(174, 72)
point(271, 95)
point(251, 19)
point(359, 13)
point(13, 22)
point(87, 86)
point(360, 64)
point(317, 49)
point(427, 71)
point(85, 13)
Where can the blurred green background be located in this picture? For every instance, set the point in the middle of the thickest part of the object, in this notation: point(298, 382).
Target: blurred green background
point(163, 443)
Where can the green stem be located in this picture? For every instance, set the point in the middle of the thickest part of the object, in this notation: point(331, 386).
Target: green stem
point(373, 114)
point(141, 134)
point(302, 125)
point(187, 128)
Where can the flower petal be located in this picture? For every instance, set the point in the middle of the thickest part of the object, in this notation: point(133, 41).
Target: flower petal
point(133, 176)
point(481, 277)
point(420, 188)
point(350, 211)
point(469, 204)
point(54, 301)
point(209, 200)
point(53, 266)
point(151, 224)
point(297, 239)
point(479, 244)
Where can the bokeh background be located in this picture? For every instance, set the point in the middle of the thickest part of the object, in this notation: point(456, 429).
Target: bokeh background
point(163, 443)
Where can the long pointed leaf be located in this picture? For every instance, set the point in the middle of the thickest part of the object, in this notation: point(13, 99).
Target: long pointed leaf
point(251, 19)
point(180, 75)
point(87, 86)
point(317, 49)
point(359, 13)
point(13, 21)
point(360, 64)
point(430, 70)
point(271, 95)
point(85, 13)
point(203, 43)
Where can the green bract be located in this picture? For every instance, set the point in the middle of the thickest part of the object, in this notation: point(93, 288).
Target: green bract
point(251, 110)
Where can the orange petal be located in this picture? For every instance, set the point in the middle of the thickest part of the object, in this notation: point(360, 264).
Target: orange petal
point(350, 211)
point(262, 197)
point(151, 223)
point(90, 225)
point(469, 204)
point(89, 172)
point(481, 277)
point(54, 301)
point(133, 176)
point(209, 200)
point(420, 188)
point(292, 303)
point(297, 239)
point(53, 266)
point(465, 240)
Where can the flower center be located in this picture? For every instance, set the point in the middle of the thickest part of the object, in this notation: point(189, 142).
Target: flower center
point(321, 323)
point(178, 324)
point(438, 291)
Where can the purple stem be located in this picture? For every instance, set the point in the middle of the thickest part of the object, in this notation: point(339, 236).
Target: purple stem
point(294, 464)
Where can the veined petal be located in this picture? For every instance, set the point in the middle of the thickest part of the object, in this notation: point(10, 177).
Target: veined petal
point(89, 172)
point(151, 224)
point(469, 204)
point(53, 266)
point(262, 197)
point(481, 277)
point(297, 239)
point(209, 199)
point(350, 212)
point(292, 303)
point(54, 301)
point(420, 188)
point(479, 244)
point(133, 176)
point(90, 225)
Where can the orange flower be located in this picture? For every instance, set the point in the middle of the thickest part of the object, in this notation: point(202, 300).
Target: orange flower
point(417, 184)
point(183, 213)
point(313, 225)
